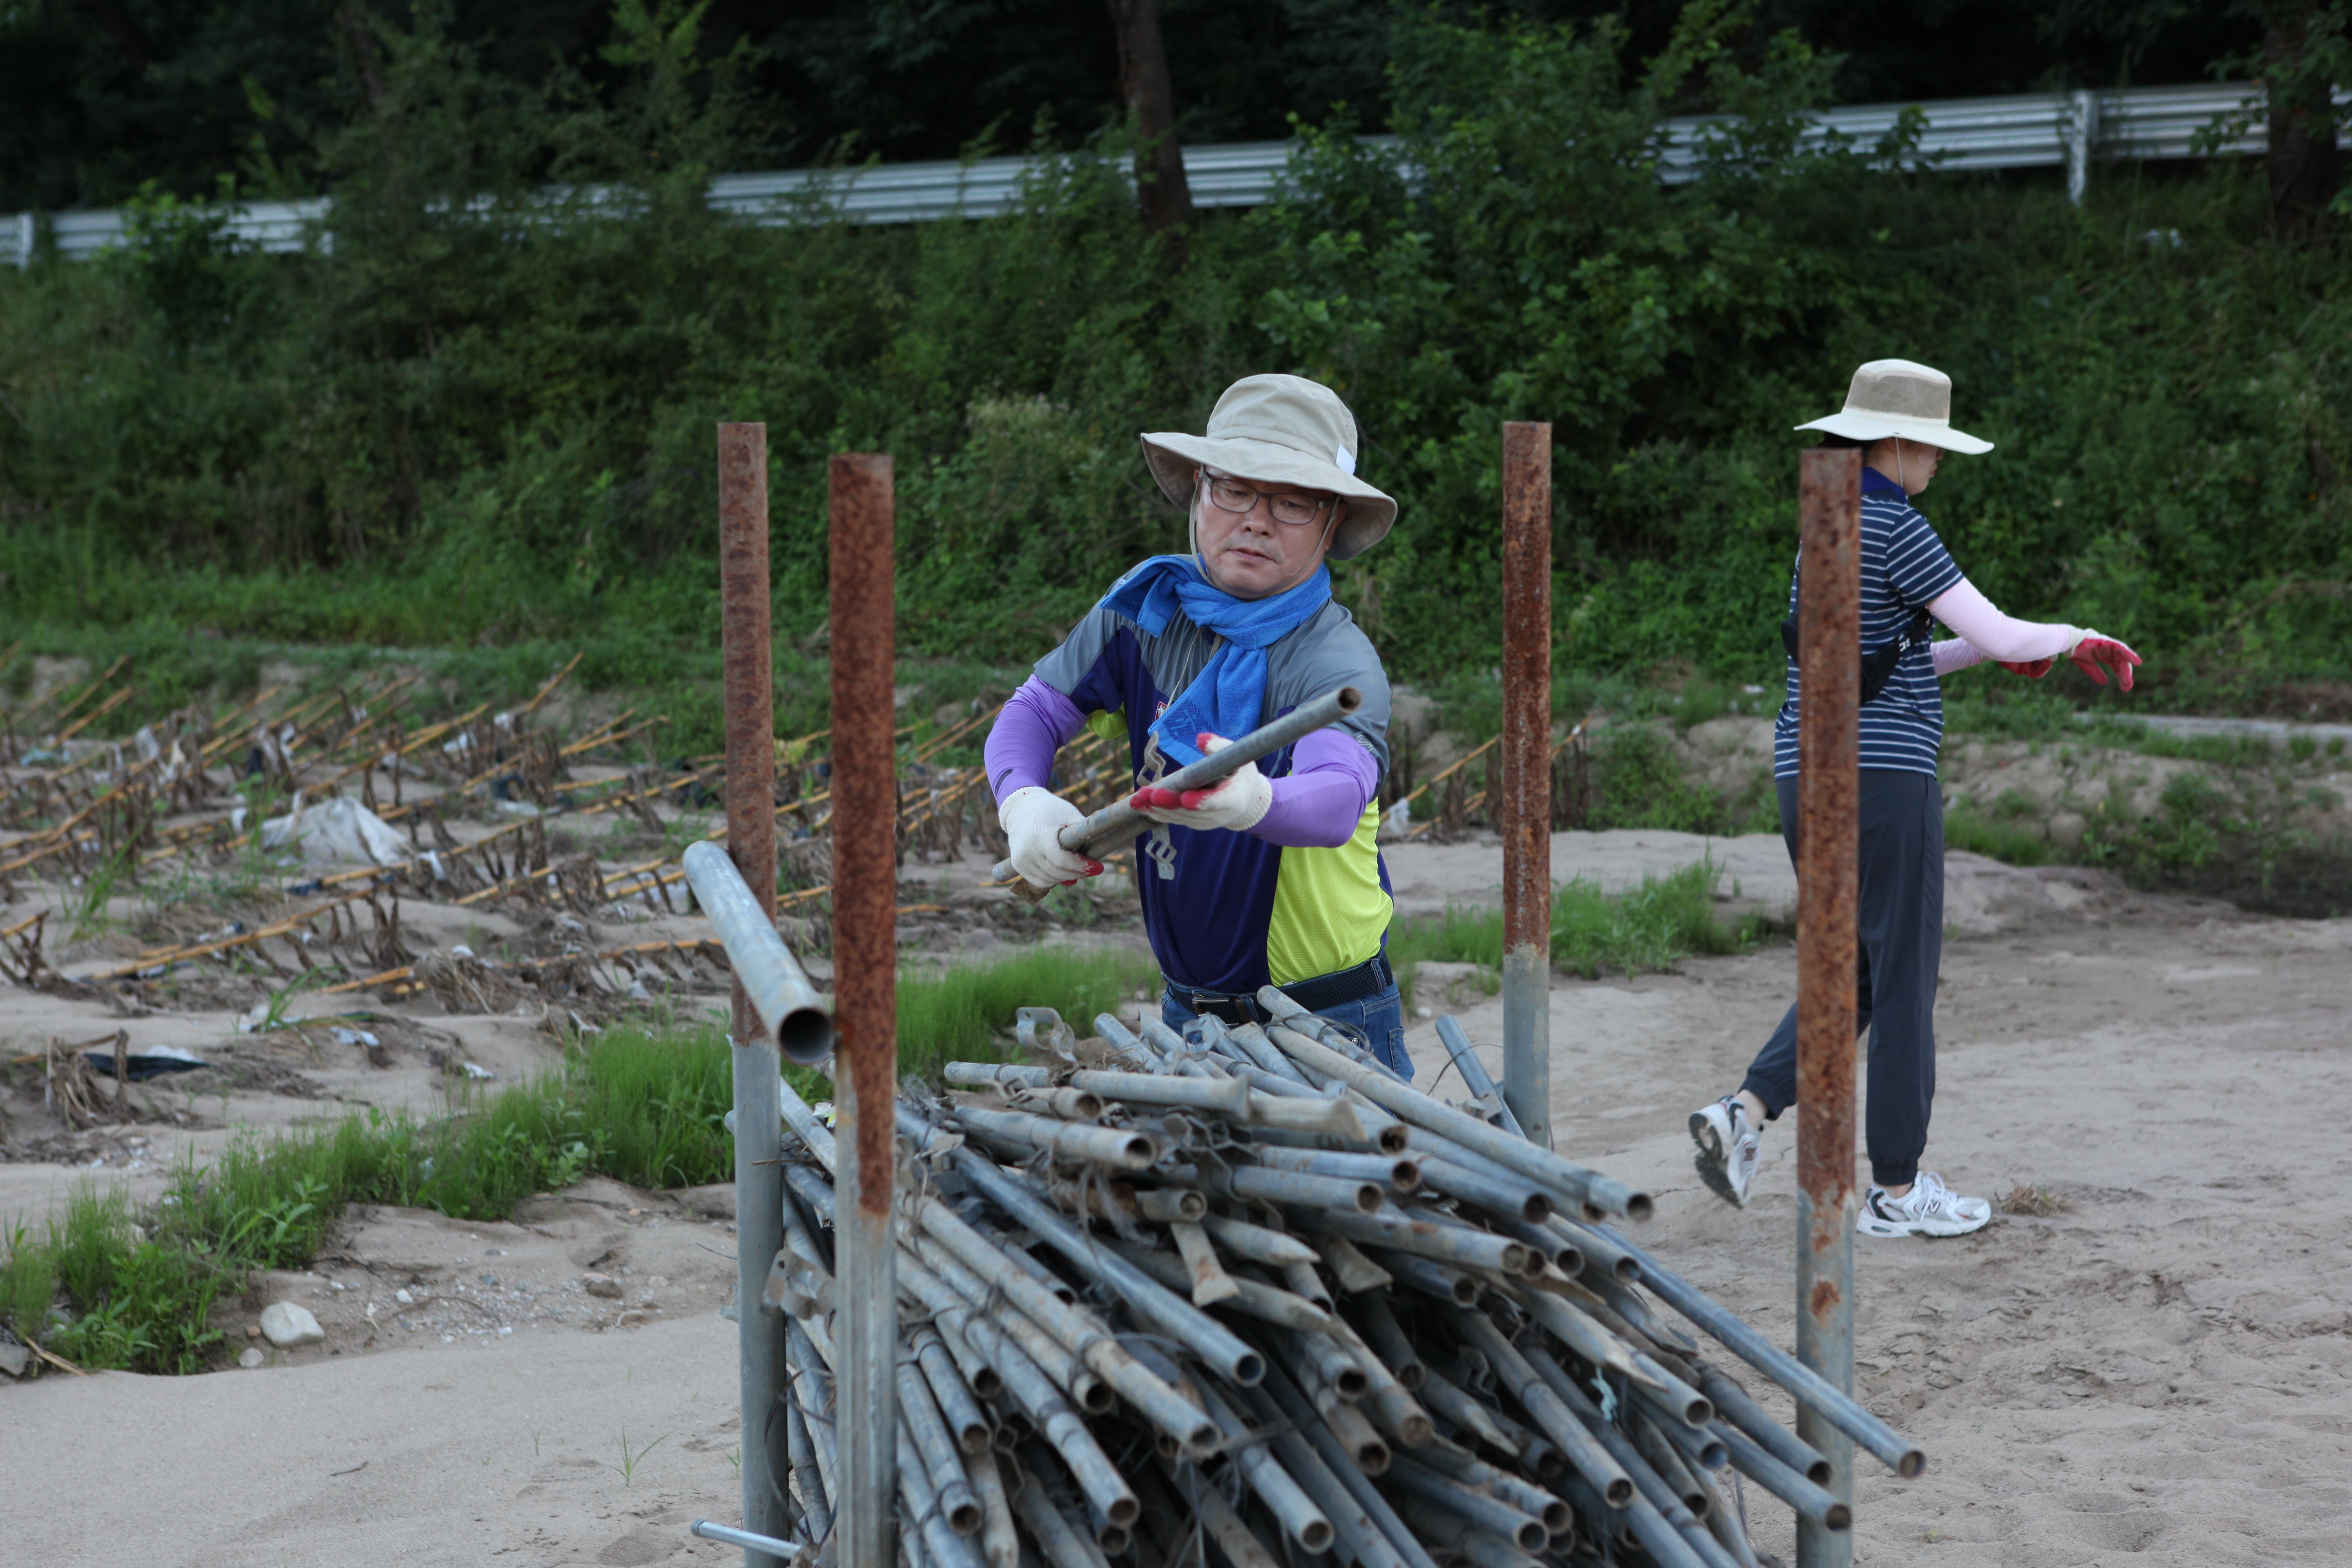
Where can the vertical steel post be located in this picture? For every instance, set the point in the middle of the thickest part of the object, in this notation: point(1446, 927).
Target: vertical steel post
point(865, 1008)
point(1829, 654)
point(1527, 777)
point(749, 698)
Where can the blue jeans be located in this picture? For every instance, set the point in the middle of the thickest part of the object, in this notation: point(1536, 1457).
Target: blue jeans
point(1379, 1018)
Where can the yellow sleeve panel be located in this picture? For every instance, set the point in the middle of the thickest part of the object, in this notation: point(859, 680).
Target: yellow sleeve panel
point(1329, 909)
point(1109, 726)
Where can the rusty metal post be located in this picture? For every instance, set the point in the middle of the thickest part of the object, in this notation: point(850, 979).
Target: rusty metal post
point(1527, 777)
point(1829, 657)
point(749, 698)
point(865, 1008)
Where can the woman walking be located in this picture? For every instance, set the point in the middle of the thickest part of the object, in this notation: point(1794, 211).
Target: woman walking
point(1899, 414)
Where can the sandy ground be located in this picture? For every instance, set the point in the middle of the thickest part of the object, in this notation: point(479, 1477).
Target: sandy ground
point(2156, 1373)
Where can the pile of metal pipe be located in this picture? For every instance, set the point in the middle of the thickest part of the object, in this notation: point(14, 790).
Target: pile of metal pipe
point(1239, 1295)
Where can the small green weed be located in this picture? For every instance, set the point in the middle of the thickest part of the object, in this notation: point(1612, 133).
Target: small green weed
point(631, 1461)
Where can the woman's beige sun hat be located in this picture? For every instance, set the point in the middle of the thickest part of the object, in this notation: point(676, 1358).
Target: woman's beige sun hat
point(1896, 398)
point(1278, 430)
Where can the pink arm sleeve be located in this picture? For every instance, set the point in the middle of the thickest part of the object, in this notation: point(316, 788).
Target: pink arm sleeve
point(1953, 655)
point(1988, 634)
point(1319, 805)
point(1038, 721)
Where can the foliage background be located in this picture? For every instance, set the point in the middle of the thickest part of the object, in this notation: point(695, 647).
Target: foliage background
point(478, 415)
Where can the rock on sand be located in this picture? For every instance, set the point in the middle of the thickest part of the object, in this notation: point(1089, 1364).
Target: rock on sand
point(286, 1325)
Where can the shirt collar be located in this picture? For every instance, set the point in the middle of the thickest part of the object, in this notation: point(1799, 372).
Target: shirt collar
point(1873, 483)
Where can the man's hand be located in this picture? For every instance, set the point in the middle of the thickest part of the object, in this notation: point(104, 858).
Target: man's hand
point(1239, 802)
point(2093, 650)
point(1032, 820)
point(2033, 669)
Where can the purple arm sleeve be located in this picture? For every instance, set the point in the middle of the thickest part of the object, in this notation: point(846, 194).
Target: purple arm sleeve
point(1038, 721)
point(1318, 807)
point(1994, 635)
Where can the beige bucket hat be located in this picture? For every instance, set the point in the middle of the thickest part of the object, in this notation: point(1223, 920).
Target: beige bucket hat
point(1281, 431)
point(1896, 398)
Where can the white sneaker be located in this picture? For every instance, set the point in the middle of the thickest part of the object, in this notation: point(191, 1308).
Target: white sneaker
point(1730, 1149)
point(1929, 1208)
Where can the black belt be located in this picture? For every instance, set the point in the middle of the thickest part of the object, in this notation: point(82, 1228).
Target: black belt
point(1368, 978)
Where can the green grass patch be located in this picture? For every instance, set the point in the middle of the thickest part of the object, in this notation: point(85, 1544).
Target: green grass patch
point(108, 1288)
point(960, 1013)
point(1648, 929)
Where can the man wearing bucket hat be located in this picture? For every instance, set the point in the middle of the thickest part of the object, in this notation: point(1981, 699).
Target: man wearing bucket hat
point(1899, 414)
point(1273, 876)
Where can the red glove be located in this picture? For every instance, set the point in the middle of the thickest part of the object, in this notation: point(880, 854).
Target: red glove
point(2032, 670)
point(2093, 650)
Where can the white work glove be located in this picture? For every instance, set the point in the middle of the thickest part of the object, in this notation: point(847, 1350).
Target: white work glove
point(1239, 802)
point(1032, 820)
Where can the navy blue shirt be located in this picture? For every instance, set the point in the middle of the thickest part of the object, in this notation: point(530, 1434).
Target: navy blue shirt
point(1903, 565)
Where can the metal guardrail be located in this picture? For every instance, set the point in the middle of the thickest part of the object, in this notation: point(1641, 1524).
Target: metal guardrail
point(2074, 131)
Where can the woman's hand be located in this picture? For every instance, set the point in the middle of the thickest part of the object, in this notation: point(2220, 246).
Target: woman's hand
point(2093, 650)
point(2032, 668)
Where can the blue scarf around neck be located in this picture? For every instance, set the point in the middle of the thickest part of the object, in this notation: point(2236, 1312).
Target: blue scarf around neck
point(1229, 694)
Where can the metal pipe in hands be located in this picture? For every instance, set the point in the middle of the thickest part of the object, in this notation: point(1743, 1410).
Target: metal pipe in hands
point(1526, 793)
point(866, 967)
point(1118, 825)
point(1829, 631)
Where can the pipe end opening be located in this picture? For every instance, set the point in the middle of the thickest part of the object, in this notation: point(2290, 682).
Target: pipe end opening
point(1640, 1207)
point(1620, 1493)
point(805, 1036)
point(1248, 1369)
point(1316, 1536)
point(1837, 1516)
point(1911, 1464)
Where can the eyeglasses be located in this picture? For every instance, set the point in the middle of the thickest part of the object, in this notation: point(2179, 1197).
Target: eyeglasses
point(1290, 508)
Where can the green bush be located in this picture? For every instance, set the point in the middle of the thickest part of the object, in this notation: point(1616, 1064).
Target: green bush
point(480, 419)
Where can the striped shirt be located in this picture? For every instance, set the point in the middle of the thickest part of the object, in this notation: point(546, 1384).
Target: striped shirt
point(1903, 565)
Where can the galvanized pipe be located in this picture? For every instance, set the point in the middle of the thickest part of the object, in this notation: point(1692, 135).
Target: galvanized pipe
point(1329, 1194)
point(1525, 792)
point(1253, 1298)
point(759, 1237)
point(1473, 1508)
point(756, 1547)
point(1257, 1243)
point(1359, 1535)
point(1660, 1522)
point(1000, 1544)
point(1121, 1147)
point(1035, 1391)
point(1115, 825)
point(1398, 1175)
point(1060, 1542)
point(1513, 1199)
point(816, 1511)
point(1379, 1328)
point(942, 1457)
point(1474, 1077)
point(862, 644)
point(1151, 1303)
point(1816, 1506)
point(1409, 1104)
point(924, 1516)
point(1359, 1488)
point(1458, 1246)
point(1828, 629)
point(1809, 1387)
point(1557, 1518)
point(1739, 1408)
point(1538, 1396)
point(1281, 1493)
point(1218, 1520)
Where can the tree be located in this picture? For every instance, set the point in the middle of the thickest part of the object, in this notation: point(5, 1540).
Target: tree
point(1166, 194)
point(2304, 54)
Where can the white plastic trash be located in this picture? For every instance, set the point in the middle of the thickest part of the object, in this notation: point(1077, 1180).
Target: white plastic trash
point(339, 832)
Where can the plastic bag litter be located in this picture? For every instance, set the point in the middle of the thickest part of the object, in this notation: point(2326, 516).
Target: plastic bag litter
point(339, 832)
point(146, 1062)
